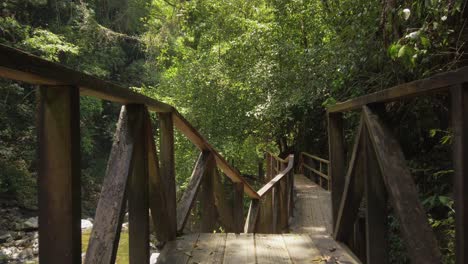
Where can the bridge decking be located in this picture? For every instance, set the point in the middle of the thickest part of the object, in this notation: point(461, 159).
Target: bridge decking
point(308, 242)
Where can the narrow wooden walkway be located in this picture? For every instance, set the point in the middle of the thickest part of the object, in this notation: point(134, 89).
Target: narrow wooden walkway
point(308, 242)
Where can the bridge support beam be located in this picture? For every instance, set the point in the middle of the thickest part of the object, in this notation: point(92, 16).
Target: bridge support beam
point(59, 175)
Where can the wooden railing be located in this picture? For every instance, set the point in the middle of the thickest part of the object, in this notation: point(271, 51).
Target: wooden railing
point(135, 172)
point(377, 172)
point(311, 165)
point(270, 213)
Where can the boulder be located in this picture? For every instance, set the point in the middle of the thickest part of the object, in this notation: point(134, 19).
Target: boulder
point(86, 224)
point(30, 224)
point(154, 258)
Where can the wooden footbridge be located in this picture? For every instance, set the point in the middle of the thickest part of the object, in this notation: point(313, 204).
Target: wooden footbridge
point(307, 211)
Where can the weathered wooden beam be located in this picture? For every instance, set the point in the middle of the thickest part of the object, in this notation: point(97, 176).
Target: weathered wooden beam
point(198, 140)
point(167, 170)
point(376, 208)
point(252, 216)
point(238, 208)
point(353, 189)
point(188, 198)
point(157, 190)
point(207, 201)
point(138, 198)
point(337, 156)
point(283, 216)
point(273, 182)
point(436, 83)
point(21, 66)
point(460, 154)
point(105, 235)
point(402, 192)
point(224, 209)
point(59, 175)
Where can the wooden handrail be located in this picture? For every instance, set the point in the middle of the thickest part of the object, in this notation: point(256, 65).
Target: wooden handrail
point(22, 66)
point(436, 83)
point(315, 157)
point(286, 160)
point(318, 171)
point(269, 186)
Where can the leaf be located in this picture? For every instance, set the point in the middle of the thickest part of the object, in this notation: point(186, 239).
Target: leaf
point(425, 41)
point(445, 200)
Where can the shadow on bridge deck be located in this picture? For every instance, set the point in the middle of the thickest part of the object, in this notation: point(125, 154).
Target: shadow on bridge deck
point(309, 241)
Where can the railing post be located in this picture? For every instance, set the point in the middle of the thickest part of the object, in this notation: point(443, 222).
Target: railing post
point(238, 210)
point(460, 154)
point(337, 160)
point(59, 175)
point(208, 208)
point(376, 206)
point(104, 239)
point(168, 170)
point(138, 201)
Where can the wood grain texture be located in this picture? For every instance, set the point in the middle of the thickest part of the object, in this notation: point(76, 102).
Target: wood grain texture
point(223, 207)
point(209, 214)
point(269, 185)
point(270, 249)
point(138, 199)
point(301, 249)
point(416, 231)
point(21, 66)
point(436, 83)
point(459, 96)
point(105, 235)
point(157, 190)
point(376, 208)
point(167, 170)
point(59, 175)
point(252, 216)
point(238, 208)
point(178, 251)
point(239, 249)
point(209, 249)
point(188, 198)
point(337, 156)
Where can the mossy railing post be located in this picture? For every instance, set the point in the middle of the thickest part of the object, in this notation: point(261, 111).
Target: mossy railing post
point(59, 175)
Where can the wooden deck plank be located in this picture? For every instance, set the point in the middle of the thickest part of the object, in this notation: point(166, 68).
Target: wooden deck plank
point(209, 249)
point(178, 251)
point(313, 208)
point(313, 217)
point(240, 249)
point(271, 249)
point(301, 249)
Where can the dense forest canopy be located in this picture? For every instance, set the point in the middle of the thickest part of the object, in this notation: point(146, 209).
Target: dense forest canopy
point(250, 75)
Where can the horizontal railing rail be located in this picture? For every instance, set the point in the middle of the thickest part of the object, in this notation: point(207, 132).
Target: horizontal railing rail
point(311, 164)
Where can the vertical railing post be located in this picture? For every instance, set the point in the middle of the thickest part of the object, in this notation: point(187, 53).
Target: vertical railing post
point(337, 160)
point(59, 175)
point(238, 211)
point(376, 207)
point(138, 201)
point(168, 170)
point(460, 154)
point(208, 208)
